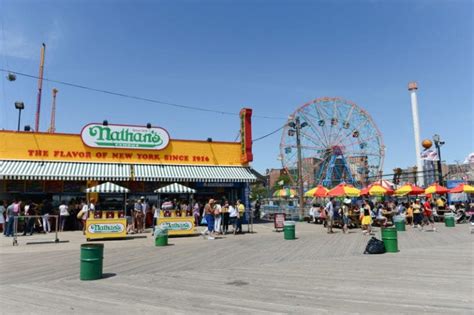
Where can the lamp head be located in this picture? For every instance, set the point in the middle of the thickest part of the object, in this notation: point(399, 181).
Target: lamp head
point(19, 105)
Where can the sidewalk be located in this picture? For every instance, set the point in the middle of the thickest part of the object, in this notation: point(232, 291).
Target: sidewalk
point(250, 273)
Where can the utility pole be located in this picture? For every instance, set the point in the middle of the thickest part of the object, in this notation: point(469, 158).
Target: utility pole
point(296, 126)
point(438, 143)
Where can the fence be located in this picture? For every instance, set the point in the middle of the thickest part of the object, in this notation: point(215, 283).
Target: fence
point(26, 224)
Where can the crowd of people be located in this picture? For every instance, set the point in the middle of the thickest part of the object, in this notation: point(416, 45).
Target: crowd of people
point(218, 216)
point(365, 213)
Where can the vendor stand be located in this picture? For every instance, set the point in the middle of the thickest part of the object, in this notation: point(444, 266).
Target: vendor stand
point(177, 221)
point(110, 223)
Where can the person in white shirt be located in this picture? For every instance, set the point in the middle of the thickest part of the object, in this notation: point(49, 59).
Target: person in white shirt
point(233, 215)
point(63, 215)
point(217, 218)
point(84, 216)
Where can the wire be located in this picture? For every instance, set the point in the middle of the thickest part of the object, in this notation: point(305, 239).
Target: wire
point(269, 134)
point(150, 100)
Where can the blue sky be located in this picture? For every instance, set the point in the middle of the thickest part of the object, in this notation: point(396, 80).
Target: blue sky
point(272, 56)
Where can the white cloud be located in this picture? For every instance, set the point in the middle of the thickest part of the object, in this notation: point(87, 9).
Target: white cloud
point(15, 44)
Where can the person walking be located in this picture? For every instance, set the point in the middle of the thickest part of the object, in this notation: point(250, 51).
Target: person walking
point(233, 216)
point(345, 215)
point(366, 221)
point(409, 215)
point(225, 217)
point(29, 222)
point(3, 210)
point(428, 218)
point(196, 213)
point(209, 215)
point(137, 216)
point(417, 215)
point(63, 215)
point(330, 214)
point(241, 209)
point(83, 215)
point(10, 219)
point(217, 218)
point(46, 210)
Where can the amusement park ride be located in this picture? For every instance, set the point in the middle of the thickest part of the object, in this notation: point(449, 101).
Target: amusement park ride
point(338, 142)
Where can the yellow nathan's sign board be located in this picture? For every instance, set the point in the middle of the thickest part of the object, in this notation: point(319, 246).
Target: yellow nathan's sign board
point(178, 226)
point(106, 228)
point(71, 148)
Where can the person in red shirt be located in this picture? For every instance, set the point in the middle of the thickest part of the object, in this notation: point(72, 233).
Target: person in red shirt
point(428, 214)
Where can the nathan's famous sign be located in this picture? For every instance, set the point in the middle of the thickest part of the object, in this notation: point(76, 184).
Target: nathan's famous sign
point(124, 136)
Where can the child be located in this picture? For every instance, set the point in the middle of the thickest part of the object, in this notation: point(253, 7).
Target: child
point(366, 219)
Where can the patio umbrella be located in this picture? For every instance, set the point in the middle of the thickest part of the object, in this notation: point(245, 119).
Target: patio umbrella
point(344, 190)
point(462, 188)
point(318, 191)
point(436, 189)
point(409, 189)
point(376, 190)
point(285, 192)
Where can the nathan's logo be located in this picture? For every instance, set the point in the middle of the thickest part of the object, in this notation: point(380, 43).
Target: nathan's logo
point(121, 136)
point(178, 226)
point(106, 228)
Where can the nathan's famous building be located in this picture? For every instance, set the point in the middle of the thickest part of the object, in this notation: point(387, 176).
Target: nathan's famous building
point(35, 166)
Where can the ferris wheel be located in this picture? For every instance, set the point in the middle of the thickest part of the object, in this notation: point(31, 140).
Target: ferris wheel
point(339, 142)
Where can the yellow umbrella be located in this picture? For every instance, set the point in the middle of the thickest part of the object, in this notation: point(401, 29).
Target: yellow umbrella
point(409, 189)
point(463, 188)
point(285, 192)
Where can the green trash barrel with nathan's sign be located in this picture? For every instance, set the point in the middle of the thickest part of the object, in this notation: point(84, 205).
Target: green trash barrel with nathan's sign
point(449, 220)
point(289, 230)
point(92, 256)
point(389, 238)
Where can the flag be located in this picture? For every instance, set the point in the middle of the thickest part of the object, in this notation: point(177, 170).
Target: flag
point(429, 155)
point(281, 182)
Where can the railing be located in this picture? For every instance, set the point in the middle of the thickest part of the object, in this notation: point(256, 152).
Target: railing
point(26, 220)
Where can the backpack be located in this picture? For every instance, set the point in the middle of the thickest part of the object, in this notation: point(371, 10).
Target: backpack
point(374, 246)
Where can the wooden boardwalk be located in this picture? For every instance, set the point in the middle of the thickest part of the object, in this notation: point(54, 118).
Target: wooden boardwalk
point(252, 273)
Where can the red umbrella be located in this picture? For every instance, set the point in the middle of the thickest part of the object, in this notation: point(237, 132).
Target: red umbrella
point(320, 191)
point(376, 190)
point(462, 188)
point(409, 189)
point(436, 189)
point(343, 189)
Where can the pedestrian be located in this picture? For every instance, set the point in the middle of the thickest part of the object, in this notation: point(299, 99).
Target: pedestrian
point(137, 216)
point(10, 219)
point(409, 215)
point(417, 214)
point(241, 209)
point(233, 216)
point(63, 215)
point(83, 215)
point(46, 210)
point(330, 214)
point(209, 215)
point(3, 209)
point(217, 218)
point(196, 213)
point(129, 216)
point(29, 221)
point(257, 209)
point(225, 217)
point(145, 208)
point(366, 221)
point(345, 215)
point(428, 218)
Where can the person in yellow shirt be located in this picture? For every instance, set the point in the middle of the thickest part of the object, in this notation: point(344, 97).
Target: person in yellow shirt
point(241, 210)
point(418, 216)
point(409, 215)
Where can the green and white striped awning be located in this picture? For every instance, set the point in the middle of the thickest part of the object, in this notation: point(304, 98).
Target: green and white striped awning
point(107, 187)
point(38, 170)
point(175, 189)
point(193, 173)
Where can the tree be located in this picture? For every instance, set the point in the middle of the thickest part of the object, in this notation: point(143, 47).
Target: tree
point(258, 191)
point(285, 178)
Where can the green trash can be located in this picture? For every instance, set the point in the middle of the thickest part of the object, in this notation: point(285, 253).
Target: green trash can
point(389, 238)
point(289, 230)
point(449, 220)
point(161, 236)
point(92, 256)
point(399, 223)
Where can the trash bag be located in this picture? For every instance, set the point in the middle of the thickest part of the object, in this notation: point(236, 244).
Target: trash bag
point(374, 246)
point(160, 231)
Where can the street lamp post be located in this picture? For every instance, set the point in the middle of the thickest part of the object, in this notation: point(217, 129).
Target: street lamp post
point(20, 106)
point(296, 126)
point(438, 143)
